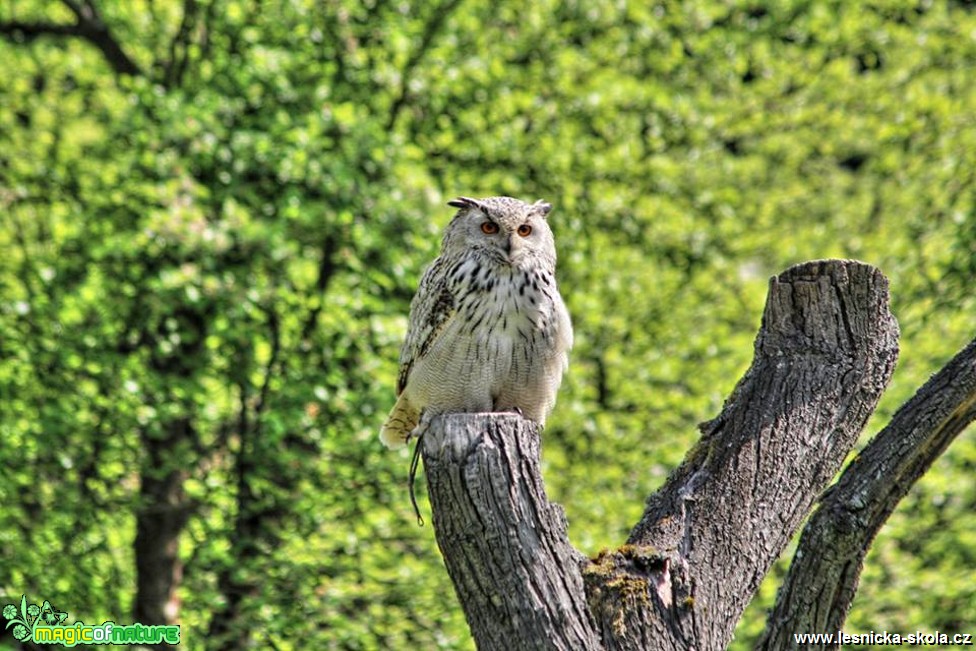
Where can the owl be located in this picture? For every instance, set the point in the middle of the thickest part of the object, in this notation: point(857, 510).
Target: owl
point(488, 329)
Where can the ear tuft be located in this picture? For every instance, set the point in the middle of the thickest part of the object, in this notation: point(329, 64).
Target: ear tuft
point(465, 202)
point(543, 207)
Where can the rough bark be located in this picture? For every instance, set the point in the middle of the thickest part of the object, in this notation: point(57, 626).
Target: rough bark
point(504, 544)
point(823, 577)
point(824, 353)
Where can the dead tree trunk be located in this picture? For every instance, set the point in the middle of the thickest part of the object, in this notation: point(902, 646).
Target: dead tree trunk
point(824, 354)
point(504, 543)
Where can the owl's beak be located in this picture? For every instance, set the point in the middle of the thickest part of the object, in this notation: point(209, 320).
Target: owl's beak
point(513, 246)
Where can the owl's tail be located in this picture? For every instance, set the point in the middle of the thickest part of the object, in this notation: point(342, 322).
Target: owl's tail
point(401, 421)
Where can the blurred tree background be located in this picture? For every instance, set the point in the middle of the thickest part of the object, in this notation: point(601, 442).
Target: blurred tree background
point(213, 214)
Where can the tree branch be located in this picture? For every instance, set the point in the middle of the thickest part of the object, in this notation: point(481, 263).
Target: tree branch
point(25, 32)
point(179, 46)
point(274, 335)
point(327, 270)
point(433, 26)
point(89, 27)
point(819, 588)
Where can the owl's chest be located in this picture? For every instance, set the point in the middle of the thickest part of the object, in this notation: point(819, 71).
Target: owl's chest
point(514, 305)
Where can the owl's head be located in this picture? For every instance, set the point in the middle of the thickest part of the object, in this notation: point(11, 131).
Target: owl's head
point(509, 231)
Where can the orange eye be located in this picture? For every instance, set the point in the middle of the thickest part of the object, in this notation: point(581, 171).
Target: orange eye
point(524, 230)
point(489, 228)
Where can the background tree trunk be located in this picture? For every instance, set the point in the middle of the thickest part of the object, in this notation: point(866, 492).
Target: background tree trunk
point(825, 352)
point(160, 520)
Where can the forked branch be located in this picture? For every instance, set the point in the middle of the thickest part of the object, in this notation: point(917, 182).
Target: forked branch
point(823, 356)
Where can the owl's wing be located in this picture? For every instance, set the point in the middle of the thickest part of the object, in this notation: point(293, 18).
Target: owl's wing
point(431, 310)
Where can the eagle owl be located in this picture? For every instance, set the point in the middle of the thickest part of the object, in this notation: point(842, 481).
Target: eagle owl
point(488, 329)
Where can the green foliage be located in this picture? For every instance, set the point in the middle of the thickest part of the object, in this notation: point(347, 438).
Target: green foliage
point(207, 269)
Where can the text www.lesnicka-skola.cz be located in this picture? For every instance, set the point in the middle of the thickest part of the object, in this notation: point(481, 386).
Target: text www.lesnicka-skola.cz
point(884, 638)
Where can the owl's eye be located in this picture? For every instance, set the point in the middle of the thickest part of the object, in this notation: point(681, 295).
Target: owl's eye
point(489, 228)
point(524, 230)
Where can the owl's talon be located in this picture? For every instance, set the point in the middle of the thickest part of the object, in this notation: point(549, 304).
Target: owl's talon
point(414, 463)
